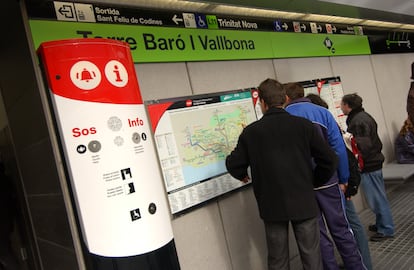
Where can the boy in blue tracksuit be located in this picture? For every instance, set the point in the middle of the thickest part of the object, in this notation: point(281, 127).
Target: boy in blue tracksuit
point(330, 195)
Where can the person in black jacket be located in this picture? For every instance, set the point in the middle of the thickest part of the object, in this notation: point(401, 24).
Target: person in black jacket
point(410, 97)
point(364, 129)
point(279, 149)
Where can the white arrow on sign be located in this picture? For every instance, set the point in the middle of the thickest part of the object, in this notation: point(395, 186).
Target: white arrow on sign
point(303, 27)
point(333, 28)
point(319, 27)
point(285, 26)
point(176, 19)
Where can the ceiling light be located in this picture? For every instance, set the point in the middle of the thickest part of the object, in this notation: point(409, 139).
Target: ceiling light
point(331, 19)
point(380, 24)
point(407, 27)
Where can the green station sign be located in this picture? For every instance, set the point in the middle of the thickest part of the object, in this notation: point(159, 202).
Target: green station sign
point(168, 44)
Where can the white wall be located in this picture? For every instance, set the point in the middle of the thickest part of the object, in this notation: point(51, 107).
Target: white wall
point(228, 233)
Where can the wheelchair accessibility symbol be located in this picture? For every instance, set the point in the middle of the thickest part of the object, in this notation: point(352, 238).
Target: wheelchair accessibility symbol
point(201, 21)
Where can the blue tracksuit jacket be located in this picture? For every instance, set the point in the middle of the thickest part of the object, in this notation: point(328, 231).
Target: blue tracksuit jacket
point(325, 121)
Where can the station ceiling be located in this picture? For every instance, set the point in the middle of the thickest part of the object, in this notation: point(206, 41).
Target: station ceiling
point(400, 11)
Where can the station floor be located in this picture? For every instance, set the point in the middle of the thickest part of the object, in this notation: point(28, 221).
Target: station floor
point(396, 253)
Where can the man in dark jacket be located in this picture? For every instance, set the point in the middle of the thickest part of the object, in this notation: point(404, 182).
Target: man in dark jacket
point(279, 148)
point(410, 97)
point(364, 129)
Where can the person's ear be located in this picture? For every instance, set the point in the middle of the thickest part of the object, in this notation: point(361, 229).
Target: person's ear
point(265, 106)
point(287, 101)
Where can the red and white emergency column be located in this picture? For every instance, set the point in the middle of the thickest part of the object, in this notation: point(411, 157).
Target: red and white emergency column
point(108, 147)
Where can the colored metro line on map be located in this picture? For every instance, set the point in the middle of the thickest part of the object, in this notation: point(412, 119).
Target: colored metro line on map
point(203, 142)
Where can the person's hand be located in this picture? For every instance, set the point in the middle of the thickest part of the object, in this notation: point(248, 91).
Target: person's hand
point(343, 187)
point(351, 191)
point(246, 179)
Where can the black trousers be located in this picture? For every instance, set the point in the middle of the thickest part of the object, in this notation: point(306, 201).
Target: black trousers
point(307, 238)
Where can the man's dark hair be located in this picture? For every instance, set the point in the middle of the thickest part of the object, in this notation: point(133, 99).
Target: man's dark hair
point(352, 100)
point(316, 99)
point(294, 90)
point(272, 93)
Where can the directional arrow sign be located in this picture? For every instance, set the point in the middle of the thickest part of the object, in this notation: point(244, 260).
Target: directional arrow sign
point(285, 26)
point(64, 11)
point(319, 27)
point(303, 27)
point(176, 20)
